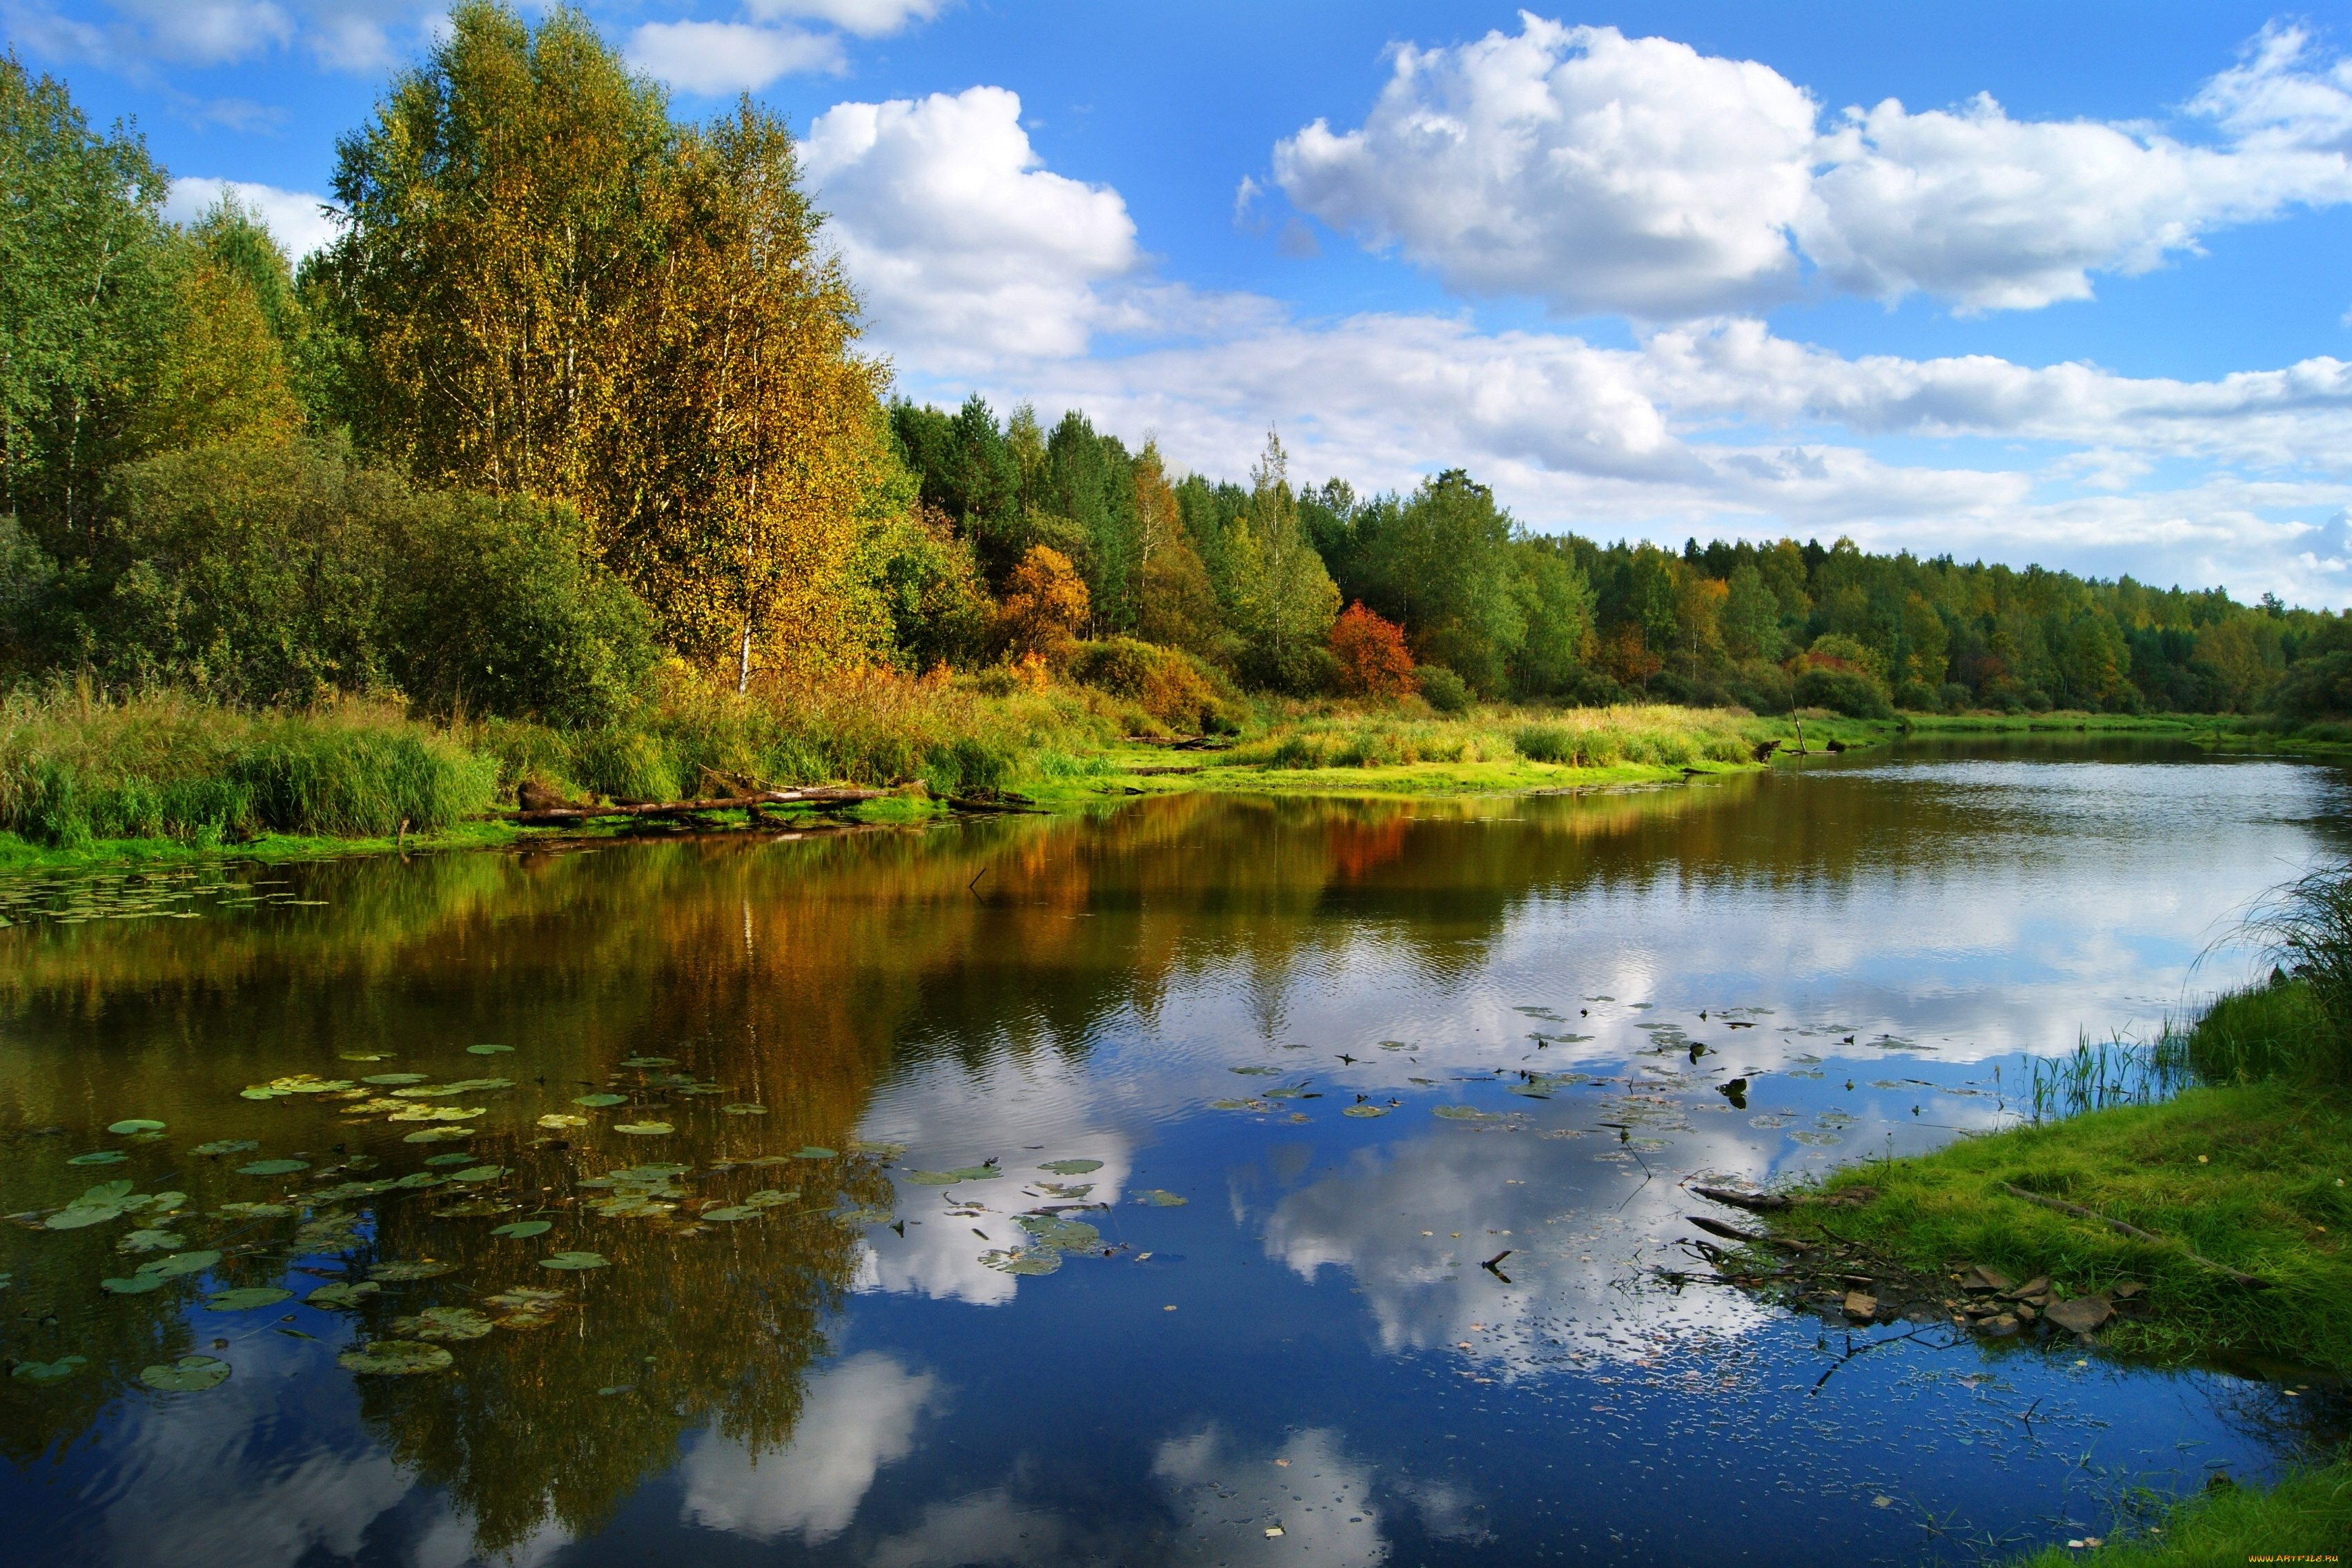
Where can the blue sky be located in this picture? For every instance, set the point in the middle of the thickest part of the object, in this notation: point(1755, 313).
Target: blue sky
point(2062, 284)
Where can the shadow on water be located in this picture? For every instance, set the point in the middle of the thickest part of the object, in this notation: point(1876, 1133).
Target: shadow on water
point(1570, 983)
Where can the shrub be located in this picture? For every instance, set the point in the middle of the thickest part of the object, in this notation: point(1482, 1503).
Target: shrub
point(1918, 697)
point(1045, 601)
point(1373, 660)
point(1546, 743)
point(1845, 691)
point(1761, 687)
point(1442, 688)
point(2315, 688)
point(1955, 697)
point(1178, 689)
point(1595, 689)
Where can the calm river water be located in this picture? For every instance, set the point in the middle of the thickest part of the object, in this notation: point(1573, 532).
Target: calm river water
point(1086, 1191)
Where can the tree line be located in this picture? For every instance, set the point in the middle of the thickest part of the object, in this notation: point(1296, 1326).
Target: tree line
point(577, 389)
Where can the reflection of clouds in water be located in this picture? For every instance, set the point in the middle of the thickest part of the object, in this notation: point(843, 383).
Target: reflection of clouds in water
point(856, 1418)
point(210, 1479)
point(448, 1543)
point(950, 1116)
point(987, 1527)
point(1320, 1499)
point(1548, 1201)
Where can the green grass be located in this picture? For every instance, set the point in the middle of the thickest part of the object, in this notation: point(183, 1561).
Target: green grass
point(2064, 721)
point(2251, 1175)
point(2307, 1513)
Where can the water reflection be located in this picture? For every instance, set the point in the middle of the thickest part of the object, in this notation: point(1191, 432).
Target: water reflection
point(1531, 1008)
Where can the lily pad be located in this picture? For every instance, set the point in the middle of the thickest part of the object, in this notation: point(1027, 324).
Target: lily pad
point(253, 1211)
point(137, 1285)
point(246, 1298)
point(394, 1079)
point(932, 1178)
point(444, 1323)
point(879, 1150)
point(1068, 1234)
point(649, 1061)
point(100, 1157)
point(1463, 1113)
point(733, 1212)
point(644, 1128)
point(78, 1214)
point(745, 1109)
point(598, 1101)
point(136, 1124)
point(1071, 1167)
point(1256, 1072)
point(813, 1152)
point(1237, 1105)
point(439, 1135)
point(772, 1199)
point(189, 1374)
point(1023, 1260)
point(273, 1167)
point(394, 1358)
point(1159, 1199)
point(524, 1229)
point(225, 1146)
point(411, 1269)
point(1817, 1139)
point(48, 1371)
point(479, 1173)
point(486, 1050)
point(181, 1263)
point(575, 1260)
point(556, 1120)
point(149, 1241)
point(341, 1297)
point(1366, 1110)
point(437, 1113)
point(440, 1159)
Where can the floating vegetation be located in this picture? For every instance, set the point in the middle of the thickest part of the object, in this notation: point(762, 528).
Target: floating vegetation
point(404, 1269)
point(1365, 1110)
point(525, 1308)
point(556, 1120)
point(136, 1285)
point(189, 1374)
point(1256, 1072)
point(148, 1241)
point(744, 1109)
point(575, 1260)
point(1238, 1105)
point(444, 1323)
point(48, 1371)
point(246, 1298)
point(949, 1178)
point(1463, 1113)
point(394, 1358)
point(479, 1173)
point(110, 1200)
point(486, 1050)
point(814, 1151)
point(772, 1199)
point(523, 1229)
point(225, 1146)
point(254, 1211)
point(1023, 1260)
point(394, 1079)
point(1770, 1123)
point(342, 1297)
point(100, 1157)
point(1066, 1189)
point(731, 1212)
point(1160, 1199)
point(439, 1135)
point(1066, 1235)
point(883, 1152)
point(439, 1114)
point(644, 1128)
point(1071, 1167)
point(299, 1083)
point(273, 1167)
point(135, 1124)
point(1817, 1139)
point(598, 1101)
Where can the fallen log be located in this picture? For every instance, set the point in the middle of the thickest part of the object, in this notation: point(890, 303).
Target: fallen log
point(810, 799)
point(1733, 1233)
point(2249, 1281)
point(1772, 1203)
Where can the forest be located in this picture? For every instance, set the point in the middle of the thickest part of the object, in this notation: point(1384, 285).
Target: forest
point(571, 423)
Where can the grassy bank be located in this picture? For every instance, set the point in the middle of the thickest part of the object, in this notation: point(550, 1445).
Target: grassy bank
point(2307, 1514)
point(2066, 721)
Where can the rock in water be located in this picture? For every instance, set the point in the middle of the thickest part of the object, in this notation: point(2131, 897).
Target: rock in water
point(1860, 1306)
point(2084, 1314)
point(1983, 1277)
point(1998, 1328)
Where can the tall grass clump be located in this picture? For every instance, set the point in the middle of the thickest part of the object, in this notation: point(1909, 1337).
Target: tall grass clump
point(1582, 738)
point(79, 765)
point(2297, 1024)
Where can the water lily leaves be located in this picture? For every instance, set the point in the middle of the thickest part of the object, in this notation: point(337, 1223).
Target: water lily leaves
point(1068, 1234)
point(1463, 1113)
point(1817, 1139)
point(246, 1298)
point(1237, 1105)
point(444, 1323)
point(860, 1217)
point(100, 1157)
point(526, 1307)
point(598, 1101)
point(1023, 1260)
point(644, 1128)
point(137, 1285)
point(220, 1146)
point(181, 1263)
point(189, 1374)
point(649, 1061)
point(163, 1203)
point(630, 1206)
point(771, 1199)
point(1256, 1072)
point(932, 1178)
point(486, 1050)
point(745, 1109)
point(148, 1241)
point(393, 1079)
point(273, 1167)
point(460, 1085)
point(80, 1213)
point(341, 1297)
point(815, 1152)
point(1770, 1124)
point(884, 1152)
point(439, 1135)
point(1066, 1189)
point(253, 1211)
point(136, 1124)
point(524, 1229)
point(556, 1120)
point(1366, 1110)
point(394, 1358)
point(479, 1173)
point(435, 1113)
point(732, 1213)
point(48, 1371)
point(1071, 1167)
point(411, 1269)
point(1159, 1199)
point(576, 1260)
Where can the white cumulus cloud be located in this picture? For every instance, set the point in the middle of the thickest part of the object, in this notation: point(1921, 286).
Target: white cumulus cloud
point(866, 18)
point(1638, 176)
point(296, 218)
point(964, 247)
point(713, 58)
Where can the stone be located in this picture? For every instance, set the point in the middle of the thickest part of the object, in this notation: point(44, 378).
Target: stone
point(2037, 1286)
point(1998, 1328)
point(2025, 1314)
point(1980, 1277)
point(2125, 1289)
point(1860, 1306)
point(2084, 1314)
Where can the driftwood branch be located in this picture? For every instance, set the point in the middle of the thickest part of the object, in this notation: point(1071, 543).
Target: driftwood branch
point(1772, 1203)
point(810, 799)
point(2133, 1231)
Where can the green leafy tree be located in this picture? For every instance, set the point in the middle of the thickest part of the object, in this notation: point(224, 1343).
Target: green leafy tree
point(1283, 601)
